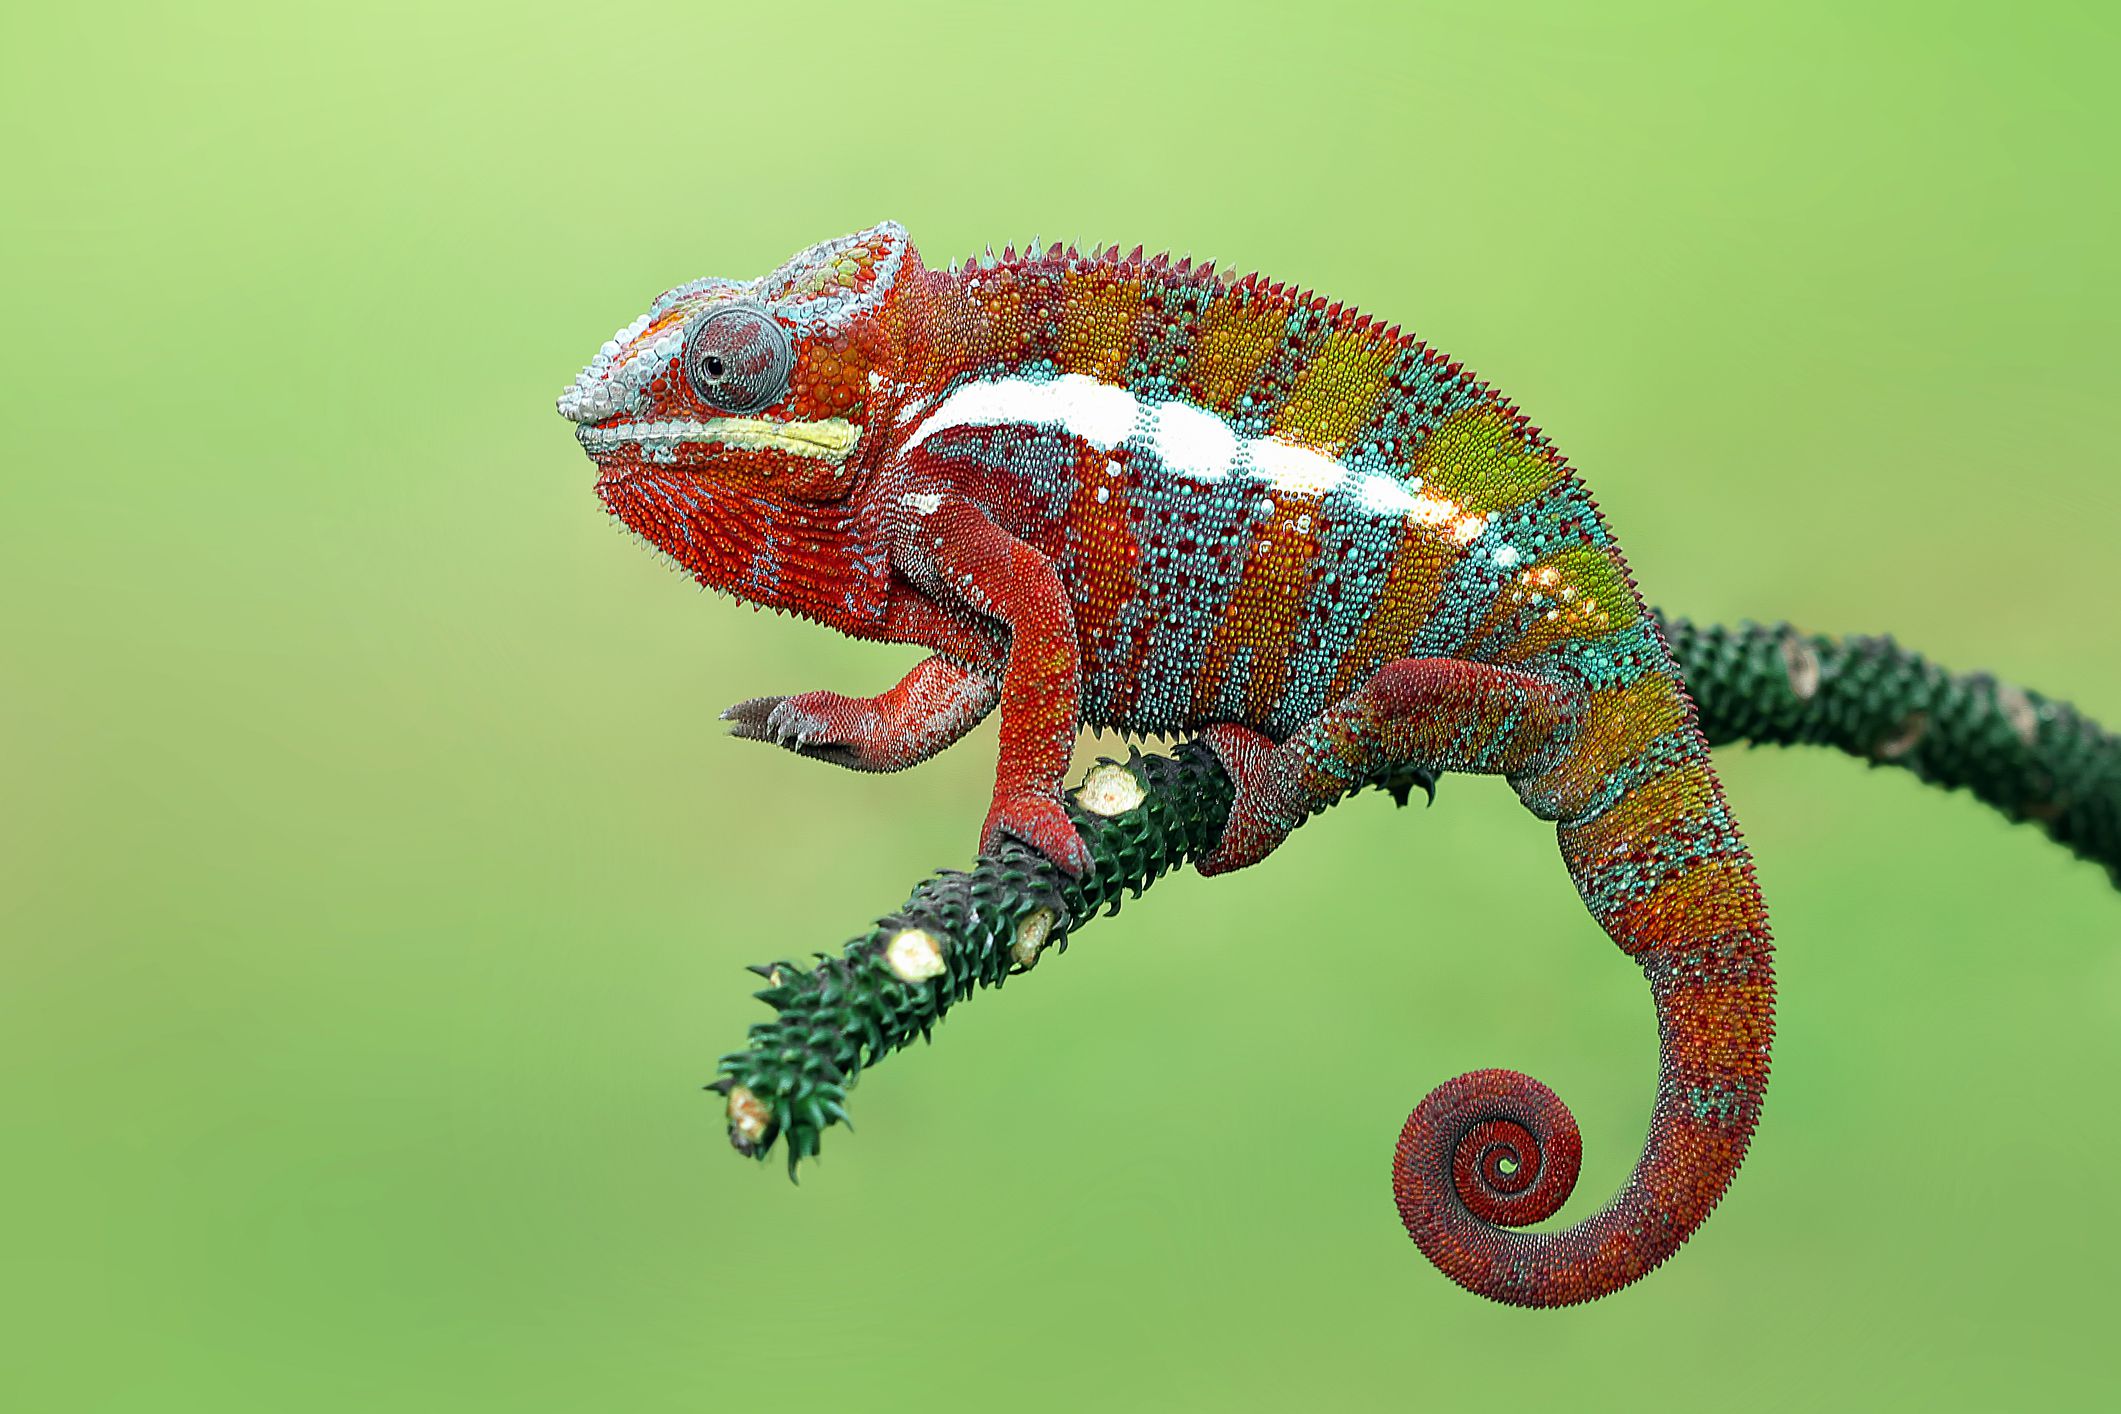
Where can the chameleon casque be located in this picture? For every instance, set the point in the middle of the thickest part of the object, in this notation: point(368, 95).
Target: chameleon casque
point(1136, 493)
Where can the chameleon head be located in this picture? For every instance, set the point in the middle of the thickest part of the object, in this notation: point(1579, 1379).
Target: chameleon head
point(727, 422)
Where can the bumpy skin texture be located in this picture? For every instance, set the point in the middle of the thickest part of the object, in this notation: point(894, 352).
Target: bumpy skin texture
point(1118, 492)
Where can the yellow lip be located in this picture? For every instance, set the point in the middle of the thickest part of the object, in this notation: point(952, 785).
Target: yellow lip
point(828, 439)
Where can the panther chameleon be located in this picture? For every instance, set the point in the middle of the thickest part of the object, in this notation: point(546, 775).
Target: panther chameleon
point(1115, 491)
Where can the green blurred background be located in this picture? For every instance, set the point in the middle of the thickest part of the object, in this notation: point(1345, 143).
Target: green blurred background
point(375, 879)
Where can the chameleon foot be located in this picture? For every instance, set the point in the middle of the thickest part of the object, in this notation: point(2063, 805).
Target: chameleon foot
point(1039, 821)
point(814, 724)
point(1265, 809)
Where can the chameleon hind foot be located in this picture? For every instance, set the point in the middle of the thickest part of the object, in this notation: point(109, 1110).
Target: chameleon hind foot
point(1264, 810)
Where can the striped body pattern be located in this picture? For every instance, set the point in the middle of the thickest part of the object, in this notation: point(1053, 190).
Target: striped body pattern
point(1281, 508)
point(1115, 491)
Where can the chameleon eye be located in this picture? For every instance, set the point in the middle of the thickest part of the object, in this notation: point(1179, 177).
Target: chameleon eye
point(737, 358)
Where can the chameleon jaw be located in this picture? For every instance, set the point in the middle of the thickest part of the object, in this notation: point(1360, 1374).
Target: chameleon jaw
point(826, 439)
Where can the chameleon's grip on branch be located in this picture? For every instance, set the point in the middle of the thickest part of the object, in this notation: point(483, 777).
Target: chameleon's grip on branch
point(2029, 756)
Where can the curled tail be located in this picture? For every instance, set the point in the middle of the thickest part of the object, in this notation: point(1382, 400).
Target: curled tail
point(1660, 864)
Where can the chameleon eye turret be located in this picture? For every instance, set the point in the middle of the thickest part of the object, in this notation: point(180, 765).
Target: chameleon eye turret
point(737, 358)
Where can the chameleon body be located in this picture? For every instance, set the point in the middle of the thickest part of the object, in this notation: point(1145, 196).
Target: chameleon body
point(1125, 492)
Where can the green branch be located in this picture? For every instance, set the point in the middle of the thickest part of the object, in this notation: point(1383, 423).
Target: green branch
point(2030, 757)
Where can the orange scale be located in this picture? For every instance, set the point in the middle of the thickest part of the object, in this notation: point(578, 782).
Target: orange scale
point(1713, 896)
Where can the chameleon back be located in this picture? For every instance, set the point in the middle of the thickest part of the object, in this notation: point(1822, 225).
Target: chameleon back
point(1256, 498)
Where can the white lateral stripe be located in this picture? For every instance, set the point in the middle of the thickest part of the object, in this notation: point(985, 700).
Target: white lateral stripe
point(1188, 440)
point(1099, 413)
point(1385, 496)
point(1296, 470)
point(1193, 442)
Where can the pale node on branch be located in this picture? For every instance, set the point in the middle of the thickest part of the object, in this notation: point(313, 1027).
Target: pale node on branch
point(1911, 731)
point(914, 955)
point(1803, 667)
point(1031, 935)
point(748, 1115)
point(1110, 790)
point(2019, 711)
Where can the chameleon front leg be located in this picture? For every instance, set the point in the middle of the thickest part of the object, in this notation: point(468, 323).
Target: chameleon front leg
point(929, 708)
point(951, 550)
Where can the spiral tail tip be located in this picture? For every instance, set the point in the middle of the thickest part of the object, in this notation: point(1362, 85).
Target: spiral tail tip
point(1509, 1146)
point(1491, 1149)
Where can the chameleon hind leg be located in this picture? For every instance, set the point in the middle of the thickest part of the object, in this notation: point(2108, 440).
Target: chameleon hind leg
point(1659, 863)
point(1422, 714)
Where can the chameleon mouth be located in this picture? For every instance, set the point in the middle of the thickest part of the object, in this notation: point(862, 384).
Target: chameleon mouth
point(828, 439)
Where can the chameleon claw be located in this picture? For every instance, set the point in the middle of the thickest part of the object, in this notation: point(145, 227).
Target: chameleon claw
point(753, 718)
point(780, 721)
point(774, 720)
point(1400, 785)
